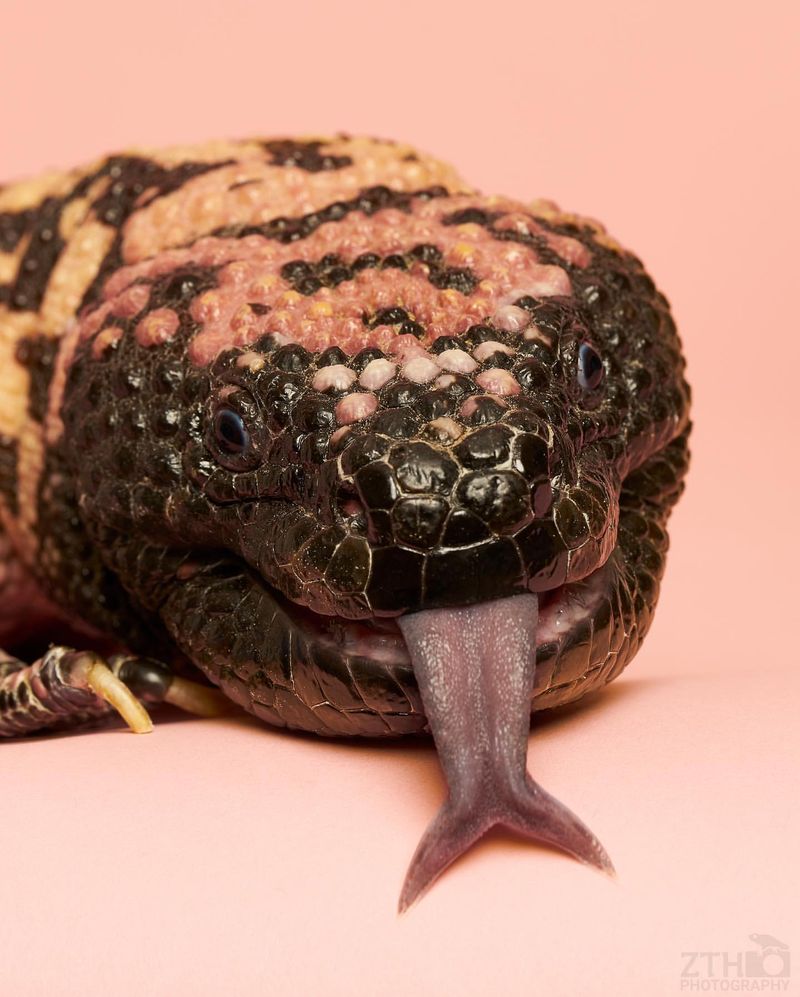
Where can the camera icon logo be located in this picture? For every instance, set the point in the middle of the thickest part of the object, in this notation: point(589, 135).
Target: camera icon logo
point(772, 961)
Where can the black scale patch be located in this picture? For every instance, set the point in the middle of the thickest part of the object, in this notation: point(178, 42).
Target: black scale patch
point(331, 270)
point(37, 354)
point(369, 200)
point(8, 472)
point(130, 176)
point(13, 225)
point(305, 155)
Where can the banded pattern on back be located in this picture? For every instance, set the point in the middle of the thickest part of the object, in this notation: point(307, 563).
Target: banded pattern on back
point(63, 234)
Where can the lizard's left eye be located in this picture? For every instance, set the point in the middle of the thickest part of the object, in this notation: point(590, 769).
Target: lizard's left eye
point(590, 367)
point(231, 433)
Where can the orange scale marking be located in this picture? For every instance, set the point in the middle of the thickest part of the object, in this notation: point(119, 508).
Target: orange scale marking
point(156, 328)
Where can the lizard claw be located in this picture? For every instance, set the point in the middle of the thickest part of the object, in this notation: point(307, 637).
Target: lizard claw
point(89, 670)
point(66, 688)
point(126, 683)
point(192, 697)
point(155, 683)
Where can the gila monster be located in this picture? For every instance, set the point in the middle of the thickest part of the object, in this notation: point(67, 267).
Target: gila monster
point(314, 422)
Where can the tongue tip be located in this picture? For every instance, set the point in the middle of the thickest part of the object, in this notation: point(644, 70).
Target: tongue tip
point(447, 837)
point(531, 812)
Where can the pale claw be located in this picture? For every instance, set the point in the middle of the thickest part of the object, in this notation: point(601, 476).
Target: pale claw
point(192, 697)
point(104, 683)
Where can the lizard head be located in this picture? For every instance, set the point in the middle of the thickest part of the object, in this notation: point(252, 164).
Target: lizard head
point(286, 442)
point(375, 432)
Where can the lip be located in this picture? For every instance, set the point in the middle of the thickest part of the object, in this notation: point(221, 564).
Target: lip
point(379, 640)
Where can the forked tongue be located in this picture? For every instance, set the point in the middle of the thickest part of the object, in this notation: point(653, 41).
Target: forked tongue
point(474, 666)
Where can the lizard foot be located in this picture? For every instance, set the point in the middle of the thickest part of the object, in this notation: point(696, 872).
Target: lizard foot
point(67, 688)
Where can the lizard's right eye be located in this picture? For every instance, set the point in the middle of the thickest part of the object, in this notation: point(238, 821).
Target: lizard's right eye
point(235, 431)
point(230, 432)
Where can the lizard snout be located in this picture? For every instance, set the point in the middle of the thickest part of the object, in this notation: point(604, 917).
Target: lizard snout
point(439, 511)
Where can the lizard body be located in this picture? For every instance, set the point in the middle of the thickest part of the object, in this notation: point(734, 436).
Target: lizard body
point(281, 410)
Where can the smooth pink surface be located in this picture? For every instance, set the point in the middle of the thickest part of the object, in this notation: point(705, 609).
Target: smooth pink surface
point(224, 858)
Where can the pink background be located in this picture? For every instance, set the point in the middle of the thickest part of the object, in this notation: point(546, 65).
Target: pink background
point(222, 857)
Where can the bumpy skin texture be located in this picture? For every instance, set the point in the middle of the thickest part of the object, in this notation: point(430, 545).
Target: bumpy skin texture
point(261, 398)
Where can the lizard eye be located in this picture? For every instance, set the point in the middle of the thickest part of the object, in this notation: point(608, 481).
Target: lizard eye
point(231, 433)
point(235, 431)
point(590, 367)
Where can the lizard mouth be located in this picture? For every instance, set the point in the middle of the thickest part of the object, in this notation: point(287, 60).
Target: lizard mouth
point(380, 639)
point(292, 666)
